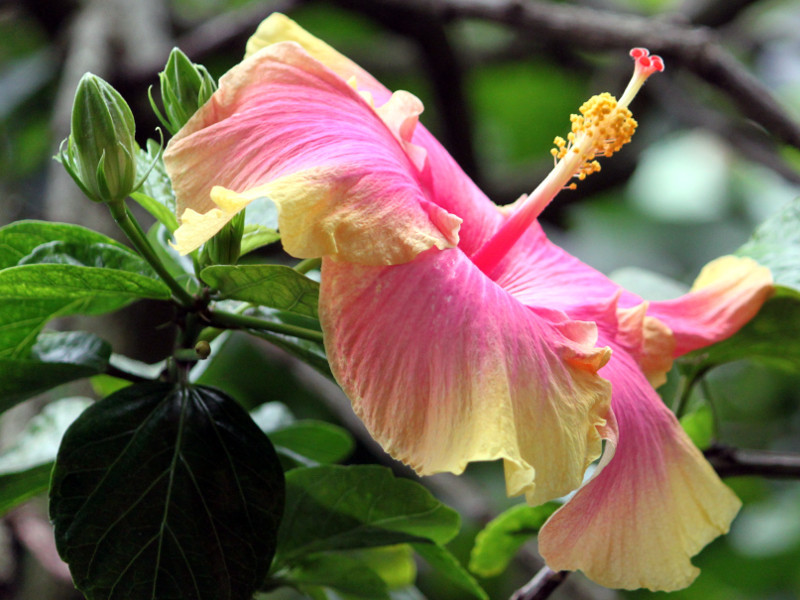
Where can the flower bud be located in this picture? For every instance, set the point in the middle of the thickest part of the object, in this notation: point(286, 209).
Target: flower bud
point(185, 87)
point(101, 149)
point(226, 246)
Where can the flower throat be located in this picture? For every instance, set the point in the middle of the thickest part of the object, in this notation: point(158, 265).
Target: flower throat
point(603, 126)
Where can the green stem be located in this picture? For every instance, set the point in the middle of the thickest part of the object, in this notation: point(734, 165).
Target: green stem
point(137, 237)
point(309, 264)
point(685, 388)
point(229, 320)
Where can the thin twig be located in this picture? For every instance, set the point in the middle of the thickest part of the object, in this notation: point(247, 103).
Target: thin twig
point(733, 462)
point(694, 48)
point(541, 586)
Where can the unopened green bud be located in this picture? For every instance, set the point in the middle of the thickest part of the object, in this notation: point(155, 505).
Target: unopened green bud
point(101, 149)
point(185, 87)
point(226, 246)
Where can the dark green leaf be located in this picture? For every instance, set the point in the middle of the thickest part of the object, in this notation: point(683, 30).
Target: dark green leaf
point(340, 573)
point(317, 441)
point(56, 358)
point(776, 244)
point(771, 337)
point(275, 286)
point(20, 238)
point(334, 507)
point(448, 566)
point(168, 492)
point(500, 540)
point(25, 466)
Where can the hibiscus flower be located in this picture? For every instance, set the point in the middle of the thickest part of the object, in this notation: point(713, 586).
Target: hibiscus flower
point(458, 330)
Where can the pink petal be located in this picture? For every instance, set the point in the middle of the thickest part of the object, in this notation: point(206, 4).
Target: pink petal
point(284, 126)
point(448, 186)
point(653, 507)
point(445, 368)
point(726, 295)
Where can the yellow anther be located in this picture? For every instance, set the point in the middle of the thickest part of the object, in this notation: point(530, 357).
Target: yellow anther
point(601, 129)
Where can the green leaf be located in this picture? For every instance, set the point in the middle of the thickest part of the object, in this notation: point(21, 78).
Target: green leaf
point(341, 573)
point(448, 566)
point(88, 255)
point(169, 492)
point(32, 295)
point(107, 287)
point(180, 267)
point(275, 286)
point(772, 337)
point(25, 466)
point(334, 507)
point(257, 236)
point(500, 540)
point(160, 212)
point(21, 238)
point(699, 426)
point(157, 196)
point(56, 358)
point(776, 244)
point(19, 487)
point(316, 441)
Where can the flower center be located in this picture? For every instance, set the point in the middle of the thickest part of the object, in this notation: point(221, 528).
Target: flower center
point(603, 126)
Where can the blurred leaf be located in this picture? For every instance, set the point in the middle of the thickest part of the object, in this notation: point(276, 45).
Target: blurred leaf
point(56, 358)
point(25, 466)
point(500, 540)
point(776, 244)
point(699, 426)
point(771, 337)
point(20, 238)
point(317, 441)
point(334, 507)
point(20, 486)
point(275, 286)
point(648, 284)
point(169, 492)
point(272, 416)
point(394, 564)
point(341, 573)
point(448, 566)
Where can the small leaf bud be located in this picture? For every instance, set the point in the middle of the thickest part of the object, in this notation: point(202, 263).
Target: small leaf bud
point(101, 148)
point(185, 87)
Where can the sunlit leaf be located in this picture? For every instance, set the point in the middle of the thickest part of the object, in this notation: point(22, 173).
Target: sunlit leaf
point(776, 244)
point(500, 540)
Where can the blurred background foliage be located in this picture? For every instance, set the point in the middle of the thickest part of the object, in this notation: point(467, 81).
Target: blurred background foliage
point(692, 186)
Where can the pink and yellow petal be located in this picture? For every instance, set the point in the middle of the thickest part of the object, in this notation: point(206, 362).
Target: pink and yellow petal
point(445, 368)
point(449, 187)
point(654, 506)
point(726, 295)
point(284, 126)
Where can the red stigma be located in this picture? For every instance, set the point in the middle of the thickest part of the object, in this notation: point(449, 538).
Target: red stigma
point(649, 64)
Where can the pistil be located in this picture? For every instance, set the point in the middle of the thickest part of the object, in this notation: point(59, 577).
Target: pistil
point(603, 126)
